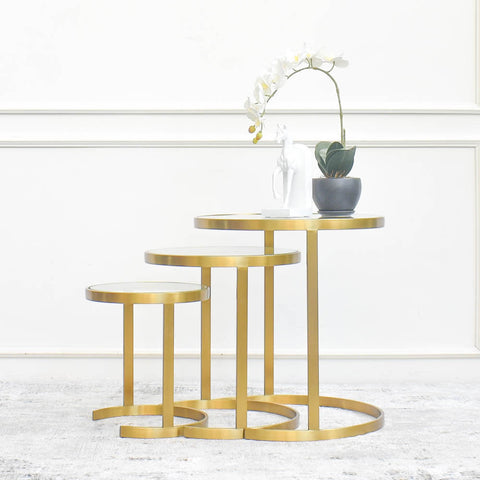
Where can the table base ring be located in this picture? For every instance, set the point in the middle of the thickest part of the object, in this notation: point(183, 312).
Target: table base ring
point(277, 434)
point(275, 404)
point(229, 403)
point(131, 431)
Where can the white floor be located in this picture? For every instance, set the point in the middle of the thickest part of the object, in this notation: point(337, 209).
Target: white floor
point(46, 433)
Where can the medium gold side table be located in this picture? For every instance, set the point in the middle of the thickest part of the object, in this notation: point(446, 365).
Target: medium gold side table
point(168, 294)
point(311, 225)
point(241, 258)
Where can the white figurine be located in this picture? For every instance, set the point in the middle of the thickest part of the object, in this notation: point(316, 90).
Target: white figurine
point(295, 165)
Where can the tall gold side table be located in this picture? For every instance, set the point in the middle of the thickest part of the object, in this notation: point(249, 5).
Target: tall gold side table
point(311, 225)
point(241, 258)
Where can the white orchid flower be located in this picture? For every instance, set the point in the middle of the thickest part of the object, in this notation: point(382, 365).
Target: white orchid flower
point(317, 60)
point(332, 57)
point(277, 77)
point(254, 111)
point(281, 70)
point(254, 117)
point(265, 83)
point(282, 66)
point(285, 65)
point(259, 94)
point(296, 60)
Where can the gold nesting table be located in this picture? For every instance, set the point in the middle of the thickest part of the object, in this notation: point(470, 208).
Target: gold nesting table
point(168, 294)
point(241, 258)
point(311, 225)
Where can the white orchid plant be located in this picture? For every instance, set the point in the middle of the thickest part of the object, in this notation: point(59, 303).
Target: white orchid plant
point(333, 158)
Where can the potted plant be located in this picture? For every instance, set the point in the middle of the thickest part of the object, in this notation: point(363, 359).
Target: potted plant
point(335, 193)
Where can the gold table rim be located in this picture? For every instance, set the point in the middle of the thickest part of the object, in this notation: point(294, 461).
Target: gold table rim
point(267, 259)
point(94, 293)
point(255, 221)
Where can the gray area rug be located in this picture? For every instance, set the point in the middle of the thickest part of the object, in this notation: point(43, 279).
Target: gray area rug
point(432, 432)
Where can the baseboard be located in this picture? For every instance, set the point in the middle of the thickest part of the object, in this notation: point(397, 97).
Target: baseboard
point(288, 370)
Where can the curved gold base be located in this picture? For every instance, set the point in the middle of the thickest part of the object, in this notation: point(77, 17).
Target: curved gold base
point(196, 431)
point(275, 404)
point(284, 435)
point(131, 431)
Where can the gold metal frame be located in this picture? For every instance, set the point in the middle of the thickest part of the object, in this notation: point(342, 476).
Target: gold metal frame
point(132, 431)
point(230, 403)
point(167, 410)
point(278, 434)
point(241, 258)
point(266, 257)
point(98, 293)
point(310, 225)
point(269, 402)
point(256, 221)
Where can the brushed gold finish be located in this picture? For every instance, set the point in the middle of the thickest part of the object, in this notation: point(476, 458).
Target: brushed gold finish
point(242, 258)
point(147, 292)
point(167, 393)
point(201, 419)
point(206, 342)
point(311, 225)
point(284, 435)
point(312, 328)
point(269, 315)
point(196, 431)
point(242, 347)
point(222, 256)
point(315, 222)
point(128, 354)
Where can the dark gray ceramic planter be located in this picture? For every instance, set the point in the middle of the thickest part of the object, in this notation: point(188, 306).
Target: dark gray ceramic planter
point(336, 195)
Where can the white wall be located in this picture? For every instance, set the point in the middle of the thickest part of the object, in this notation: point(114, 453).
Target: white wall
point(121, 121)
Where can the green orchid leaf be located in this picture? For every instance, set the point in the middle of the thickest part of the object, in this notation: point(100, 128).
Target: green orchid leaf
point(339, 162)
point(321, 149)
point(333, 146)
point(323, 168)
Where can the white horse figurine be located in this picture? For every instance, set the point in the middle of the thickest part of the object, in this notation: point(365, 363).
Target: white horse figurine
point(295, 165)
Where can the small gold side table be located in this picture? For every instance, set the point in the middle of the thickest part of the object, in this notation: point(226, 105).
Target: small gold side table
point(241, 258)
point(166, 293)
point(311, 225)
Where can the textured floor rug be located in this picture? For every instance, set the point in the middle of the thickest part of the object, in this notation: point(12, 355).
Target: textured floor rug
point(432, 432)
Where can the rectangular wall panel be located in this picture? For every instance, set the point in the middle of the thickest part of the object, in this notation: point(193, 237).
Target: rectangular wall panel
point(74, 217)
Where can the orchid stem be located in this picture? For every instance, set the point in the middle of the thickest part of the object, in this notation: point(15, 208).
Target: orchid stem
point(327, 73)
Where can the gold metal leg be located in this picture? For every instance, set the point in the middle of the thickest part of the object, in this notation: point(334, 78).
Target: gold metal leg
point(312, 329)
point(313, 400)
point(167, 410)
point(206, 339)
point(242, 348)
point(268, 352)
point(128, 354)
point(168, 329)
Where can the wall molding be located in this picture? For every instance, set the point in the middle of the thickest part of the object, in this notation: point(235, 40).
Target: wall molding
point(477, 247)
point(477, 52)
point(215, 128)
point(254, 356)
point(426, 143)
point(454, 110)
